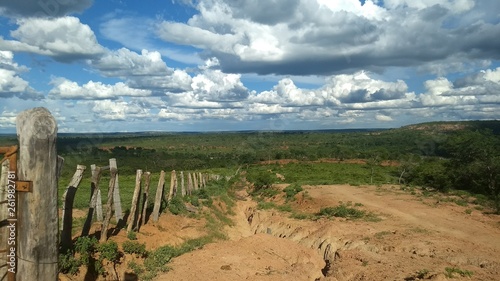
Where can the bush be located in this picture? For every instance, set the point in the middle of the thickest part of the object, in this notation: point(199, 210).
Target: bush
point(291, 191)
point(133, 247)
point(69, 264)
point(109, 251)
point(176, 206)
point(85, 247)
point(261, 180)
point(132, 235)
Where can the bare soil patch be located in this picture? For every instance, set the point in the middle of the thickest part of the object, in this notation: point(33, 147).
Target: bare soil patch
point(414, 238)
point(417, 238)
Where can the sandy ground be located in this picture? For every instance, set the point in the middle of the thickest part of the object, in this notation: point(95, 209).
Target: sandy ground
point(414, 238)
point(417, 238)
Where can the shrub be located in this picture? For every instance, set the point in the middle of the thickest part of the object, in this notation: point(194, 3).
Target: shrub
point(261, 180)
point(68, 263)
point(85, 247)
point(291, 191)
point(132, 235)
point(109, 251)
point(176, 206)
point(133, 247)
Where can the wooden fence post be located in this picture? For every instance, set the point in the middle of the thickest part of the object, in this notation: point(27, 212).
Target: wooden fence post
point(190, 183)
point(158, 197)
point(117, 203)
point(137, 191)
point(67, 208)
point(183, 189)
point(176, 185)
point(37, 226)
point(145, 194)
point(109, 205)
point(95, 195)
point(172, 186)
point(4, 231)
point(195, 181)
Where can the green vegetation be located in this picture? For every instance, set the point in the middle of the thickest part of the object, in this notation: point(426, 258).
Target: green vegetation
point(341, 211)
point(452, 272)
point(291, 191)
point(133, 247)
point(441, 155)
point(84, 253)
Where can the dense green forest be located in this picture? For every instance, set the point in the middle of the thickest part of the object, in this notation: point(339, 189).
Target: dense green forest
point(441, 155)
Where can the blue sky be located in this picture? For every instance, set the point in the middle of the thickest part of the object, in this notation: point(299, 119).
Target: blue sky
point(216, 65)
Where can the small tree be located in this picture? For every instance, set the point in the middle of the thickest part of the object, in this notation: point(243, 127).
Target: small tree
point(261, 180)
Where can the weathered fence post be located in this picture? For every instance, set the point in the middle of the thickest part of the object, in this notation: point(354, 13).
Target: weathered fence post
point(117, 203)
point(195, 181)
point(176, 184)
point(172, 186)
point(183, 189)
point(109, 205)
point(4, 231)
point(95, 195)
point(37, 226)
point(190, 184)
point(67, 208)
point(145, 198)
point(137, 191)
point(158, 197)
point(145, 194)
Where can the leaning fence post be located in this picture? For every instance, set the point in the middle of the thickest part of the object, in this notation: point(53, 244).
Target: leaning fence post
point(137, 191)
point(145, 194)
point(158, 197)
point(109, 205)
point(172, 186)
point(67, 208)
point(117, 203)
point(94, 196)
point(37, 231)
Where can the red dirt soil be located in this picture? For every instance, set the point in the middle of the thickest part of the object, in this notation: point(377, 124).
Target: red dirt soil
point(415, 238)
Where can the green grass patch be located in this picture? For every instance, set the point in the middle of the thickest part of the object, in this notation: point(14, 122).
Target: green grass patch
point(292, 190)
point(341, 211)
point(452, 272)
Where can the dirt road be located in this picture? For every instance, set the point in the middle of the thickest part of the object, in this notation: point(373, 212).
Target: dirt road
point(414, 238)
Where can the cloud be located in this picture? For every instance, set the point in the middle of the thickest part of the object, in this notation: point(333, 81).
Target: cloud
point(324, 37)
point(117, 110)
point(475, 89)
point(64, 39)
point(11, 84)
point(146, 70)
point(459, 6)
point(214, 85)
point(383, 118)
point(7, 119)
point(138, 33)
point(43, 8)
point(66, 89)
